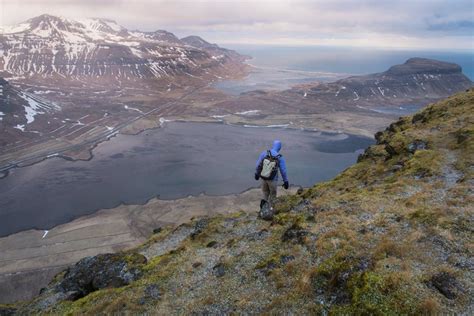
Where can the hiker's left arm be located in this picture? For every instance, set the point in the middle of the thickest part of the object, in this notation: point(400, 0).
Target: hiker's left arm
point(283, 169)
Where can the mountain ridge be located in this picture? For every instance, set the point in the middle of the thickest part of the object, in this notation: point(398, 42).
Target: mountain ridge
point(50, 49)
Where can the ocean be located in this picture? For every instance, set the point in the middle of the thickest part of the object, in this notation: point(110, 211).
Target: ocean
point(280, 67)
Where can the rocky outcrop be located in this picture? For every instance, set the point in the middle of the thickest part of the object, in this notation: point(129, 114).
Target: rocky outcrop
point(89, 275)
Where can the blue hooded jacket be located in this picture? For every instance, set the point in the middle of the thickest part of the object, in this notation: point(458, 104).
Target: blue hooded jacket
point(274, 151)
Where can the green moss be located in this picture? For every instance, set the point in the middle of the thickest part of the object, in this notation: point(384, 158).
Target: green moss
point(373, 294)
point(289, 218)
point(286, 203)
point(424, 163)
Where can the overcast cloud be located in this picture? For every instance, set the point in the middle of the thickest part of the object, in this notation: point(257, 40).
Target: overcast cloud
point(373, 23)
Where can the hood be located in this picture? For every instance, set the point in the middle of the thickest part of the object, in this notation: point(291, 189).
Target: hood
point(276, 147)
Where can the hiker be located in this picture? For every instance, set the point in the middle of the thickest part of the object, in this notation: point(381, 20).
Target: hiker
point(268, 164)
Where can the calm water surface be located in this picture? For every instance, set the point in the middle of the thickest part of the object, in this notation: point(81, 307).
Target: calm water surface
point(179, 160)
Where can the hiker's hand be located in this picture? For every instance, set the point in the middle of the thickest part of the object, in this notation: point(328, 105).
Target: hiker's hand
point(286, 185)
point(257, 176)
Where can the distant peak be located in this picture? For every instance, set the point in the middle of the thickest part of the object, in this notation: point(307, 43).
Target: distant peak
point(196, 41)
point(417, 65)
point(47, 17)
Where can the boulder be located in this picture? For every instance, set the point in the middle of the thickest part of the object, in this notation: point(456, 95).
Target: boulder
point(417, 145)
point(266, 212)
point(219, 270)
point(94, 273)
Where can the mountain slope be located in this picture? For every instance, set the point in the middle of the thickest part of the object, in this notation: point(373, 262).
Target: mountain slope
point(416, 82)
point(413, 82)
point(18, 109)
point(390, 235)
point(50, 49)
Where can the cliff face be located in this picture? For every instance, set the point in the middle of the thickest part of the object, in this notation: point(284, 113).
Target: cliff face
point(390, 235)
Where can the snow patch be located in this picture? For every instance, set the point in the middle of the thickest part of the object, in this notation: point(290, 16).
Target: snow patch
point(20, 127)
point(251, 112)
point(132, 109)
point(356, 96)
point(268, 126)
point(163, 121)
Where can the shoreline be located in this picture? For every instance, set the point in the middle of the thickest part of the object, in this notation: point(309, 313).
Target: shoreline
point(107, 230)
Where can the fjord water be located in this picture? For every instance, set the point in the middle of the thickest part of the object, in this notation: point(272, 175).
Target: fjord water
point(173, 162)
point(280, 67)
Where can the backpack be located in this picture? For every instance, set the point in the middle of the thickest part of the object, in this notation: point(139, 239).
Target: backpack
point(269, 166)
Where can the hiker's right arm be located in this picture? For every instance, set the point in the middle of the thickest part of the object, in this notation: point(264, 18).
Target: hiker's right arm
point(283, 169)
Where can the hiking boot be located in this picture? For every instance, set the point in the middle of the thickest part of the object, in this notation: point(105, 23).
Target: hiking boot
point(262, 203)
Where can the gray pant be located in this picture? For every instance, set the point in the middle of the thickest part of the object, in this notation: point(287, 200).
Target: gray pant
point(269, 189)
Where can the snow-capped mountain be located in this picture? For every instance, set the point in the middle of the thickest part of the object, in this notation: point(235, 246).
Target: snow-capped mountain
point(56, 48)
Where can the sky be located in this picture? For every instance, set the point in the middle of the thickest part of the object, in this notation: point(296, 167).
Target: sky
point(394, 24)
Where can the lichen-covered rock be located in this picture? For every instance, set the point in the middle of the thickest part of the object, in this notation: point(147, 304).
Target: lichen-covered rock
point(89, 275)
point(199, 226)
point(417, 145)
point(105, 270)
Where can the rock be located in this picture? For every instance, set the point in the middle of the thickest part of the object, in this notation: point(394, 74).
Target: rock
point(199, 226)
point(286, 259)
point(7, 311)
point(396, 168)
point(152, 291)
point(378, 137)
point(304, 205)
point(266, 212)
point(295, 233)
point(463, 135)
point(157, 230)
point(53, 299)
point(197, 264)
point(417, 145)
point(300, 191)
point(211, 244)
point(93, 273)
point(446, 284)
point(218, 270)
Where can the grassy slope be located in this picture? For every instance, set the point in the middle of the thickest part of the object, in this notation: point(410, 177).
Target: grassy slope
point(386, 236)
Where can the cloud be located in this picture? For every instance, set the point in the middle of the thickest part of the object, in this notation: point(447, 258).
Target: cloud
point(402, 23)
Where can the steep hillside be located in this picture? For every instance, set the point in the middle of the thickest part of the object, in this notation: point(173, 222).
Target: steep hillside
point(390, 235)
point(49, 49)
